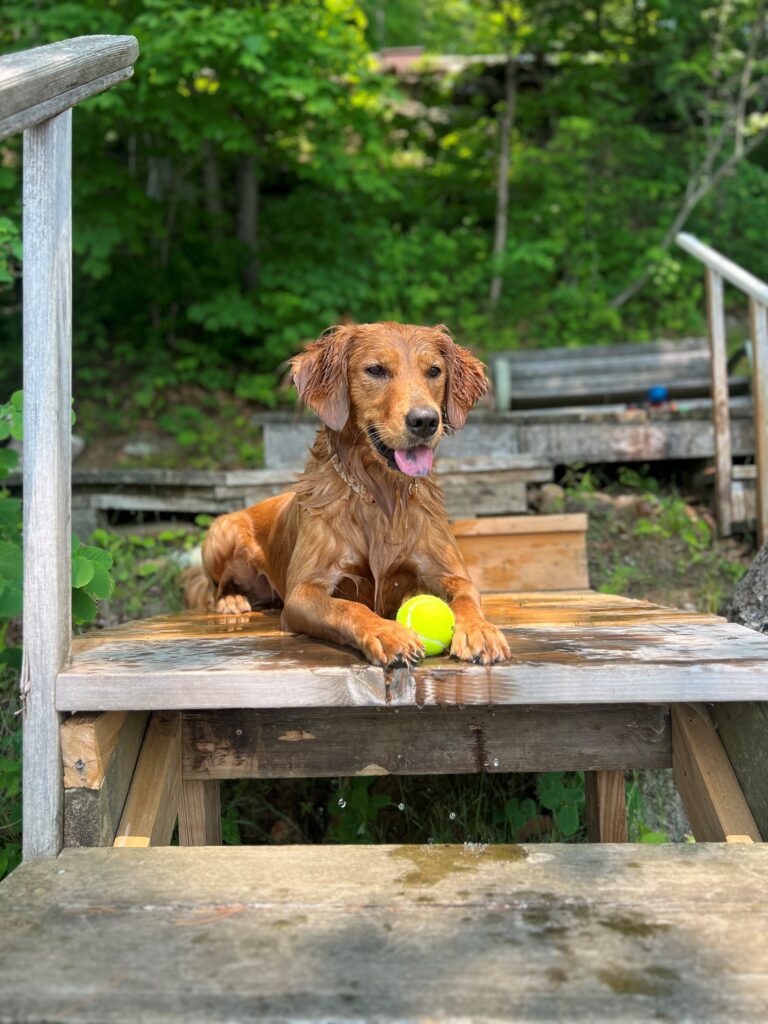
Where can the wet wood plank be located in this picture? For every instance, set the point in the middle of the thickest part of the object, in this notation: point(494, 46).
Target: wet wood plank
point(296, 743)
point(560, 933)
point(577, 648)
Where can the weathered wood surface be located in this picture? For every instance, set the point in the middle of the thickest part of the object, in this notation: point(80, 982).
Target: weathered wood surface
point(554, 436)
point(714, 803)
point(567, 648)
point(505, 553)
point(601, 373)
point(152, 804)
point(295, 743)
point(389, 934)
point(38, 83)
point(99, 752)
point(720, 398)
point(743, 730)
point(606, 799)
point(473, 486)
point(200, 813)
point(47, 318)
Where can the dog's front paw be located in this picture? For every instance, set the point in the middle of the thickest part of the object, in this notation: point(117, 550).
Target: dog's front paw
point(233, 604)
point(392, 646)
point(478, 640)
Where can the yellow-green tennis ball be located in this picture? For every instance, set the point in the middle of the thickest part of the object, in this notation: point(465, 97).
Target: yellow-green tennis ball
point(432, 621)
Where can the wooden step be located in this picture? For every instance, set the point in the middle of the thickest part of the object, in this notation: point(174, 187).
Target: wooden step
point(443, 933)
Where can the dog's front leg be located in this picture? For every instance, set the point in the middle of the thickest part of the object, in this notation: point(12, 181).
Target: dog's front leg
point(475, 638)
point(310, 609)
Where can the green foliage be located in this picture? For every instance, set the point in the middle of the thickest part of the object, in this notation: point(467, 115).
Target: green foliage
point(375, 197)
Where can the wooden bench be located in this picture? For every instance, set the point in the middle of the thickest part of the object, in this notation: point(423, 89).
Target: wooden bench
point(599, 374)
point(167, 707)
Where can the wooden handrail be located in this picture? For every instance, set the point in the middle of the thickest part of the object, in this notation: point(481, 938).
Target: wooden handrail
point(732, 272)
point(37, 84)
point(719, 268)
point(38, 89)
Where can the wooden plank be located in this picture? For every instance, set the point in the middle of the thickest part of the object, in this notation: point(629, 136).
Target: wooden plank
point(35, 76)
point(200, 813)
point(152, 805)
point(567, 649)
point(47, 317)
point(606, 797)
point(506, 525)
point(758, 314)
point(446, 934)
point(64, 101)
point(720, 413)
point(237, 744)
point(526, 560)
point(731, 271)
point(743, 730)
point(712, 798)
point(97, 778)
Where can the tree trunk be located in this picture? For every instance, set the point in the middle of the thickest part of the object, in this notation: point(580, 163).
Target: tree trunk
point(212, 189)
point(748, 604)
point(248, 218)
point(506, 123)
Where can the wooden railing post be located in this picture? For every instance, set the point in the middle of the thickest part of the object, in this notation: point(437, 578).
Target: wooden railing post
point(720, 411)
point(758, 317)
point(47, 237)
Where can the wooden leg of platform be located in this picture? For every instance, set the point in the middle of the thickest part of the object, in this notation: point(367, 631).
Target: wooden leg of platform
point(200, 813)
point(709, 789)
point(606, 806)
point(99, 751)
point(152, 805)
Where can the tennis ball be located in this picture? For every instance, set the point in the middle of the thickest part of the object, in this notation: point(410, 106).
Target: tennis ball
point(431, 619)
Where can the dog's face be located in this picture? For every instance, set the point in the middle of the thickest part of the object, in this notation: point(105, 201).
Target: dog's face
point(397, 385)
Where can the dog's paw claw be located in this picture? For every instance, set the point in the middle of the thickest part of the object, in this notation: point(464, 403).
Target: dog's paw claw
point(233, 604)
point(479, 642)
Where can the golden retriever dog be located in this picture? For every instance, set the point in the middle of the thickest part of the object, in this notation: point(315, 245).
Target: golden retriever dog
point(366, 526)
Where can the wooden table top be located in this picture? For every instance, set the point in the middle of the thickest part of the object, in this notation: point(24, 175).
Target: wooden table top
point(568, 647)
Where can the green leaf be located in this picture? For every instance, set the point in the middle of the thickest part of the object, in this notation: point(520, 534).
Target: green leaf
point(10, 513)
point(94, 554)
point(568, 820)
point(102, 584)
point(82, 571)
point(11, 560)
point(654, 837)
point(11, 601)
point(83, 607)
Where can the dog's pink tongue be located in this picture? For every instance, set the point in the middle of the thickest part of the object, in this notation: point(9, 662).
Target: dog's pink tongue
point(415, 461)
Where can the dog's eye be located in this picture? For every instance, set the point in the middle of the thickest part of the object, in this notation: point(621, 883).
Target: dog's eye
point(434, 371)
point(376, 370)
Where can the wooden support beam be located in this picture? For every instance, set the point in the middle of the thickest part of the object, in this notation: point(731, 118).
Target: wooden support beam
point(47, 465)
point(720, 399)
point(711, 795)
point(200, 813)
point(99, 754)
point(312, 743)
point(152, 805)
point(743, 731)
point(758, 314)
point(606, 807)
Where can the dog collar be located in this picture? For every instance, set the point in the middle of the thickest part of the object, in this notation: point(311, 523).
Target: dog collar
point(358, 488)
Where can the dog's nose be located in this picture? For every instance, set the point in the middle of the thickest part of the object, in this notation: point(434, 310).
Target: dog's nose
point(422, 422)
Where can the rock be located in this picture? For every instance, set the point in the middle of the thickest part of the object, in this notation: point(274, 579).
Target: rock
point(139, 449)
point(551, 499)
point(748, 604)
point(78, 447)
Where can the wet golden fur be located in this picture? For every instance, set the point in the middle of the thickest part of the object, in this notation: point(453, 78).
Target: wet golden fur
point(357, 537)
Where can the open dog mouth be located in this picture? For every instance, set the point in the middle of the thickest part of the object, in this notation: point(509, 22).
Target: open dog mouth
point(416, 461)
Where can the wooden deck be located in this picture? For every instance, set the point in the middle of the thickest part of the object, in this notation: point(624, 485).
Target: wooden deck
point(388, 934)
point(567, 648)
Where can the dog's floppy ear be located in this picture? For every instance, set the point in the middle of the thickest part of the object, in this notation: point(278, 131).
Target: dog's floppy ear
point(466, 379)
point(320, 375)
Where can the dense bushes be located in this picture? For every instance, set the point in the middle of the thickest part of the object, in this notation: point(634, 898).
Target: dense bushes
point(259, 179)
